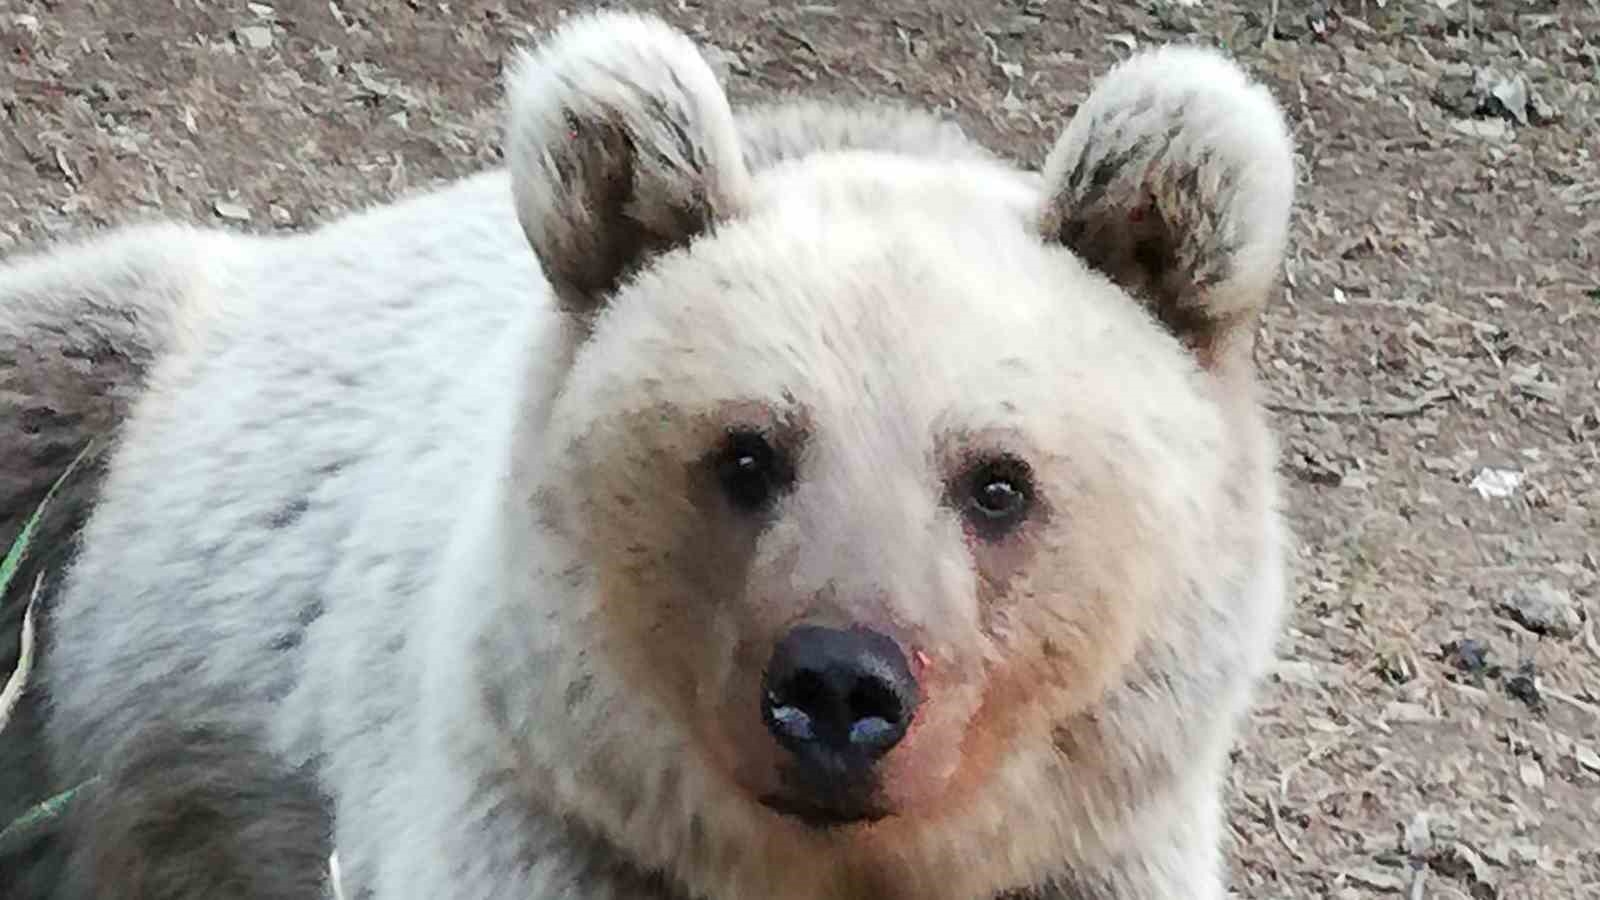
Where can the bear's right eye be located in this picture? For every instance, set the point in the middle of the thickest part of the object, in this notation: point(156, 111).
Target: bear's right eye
point(999, 494)
point(751, 471)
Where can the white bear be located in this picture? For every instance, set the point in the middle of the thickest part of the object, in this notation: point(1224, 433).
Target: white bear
point(823, 508)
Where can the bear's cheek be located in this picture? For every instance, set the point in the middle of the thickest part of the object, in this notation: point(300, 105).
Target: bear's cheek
point(730, 728)
point(921, 775)
point(1063, 610)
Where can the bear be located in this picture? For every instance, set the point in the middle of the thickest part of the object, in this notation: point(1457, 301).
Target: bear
point(799, 502)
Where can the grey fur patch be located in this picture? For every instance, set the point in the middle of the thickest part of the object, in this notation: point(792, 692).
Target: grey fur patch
point(198, 811)
point(289, 513)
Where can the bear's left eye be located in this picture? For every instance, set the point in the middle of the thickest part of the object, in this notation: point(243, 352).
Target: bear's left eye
point(751, 471)
point(999, 493)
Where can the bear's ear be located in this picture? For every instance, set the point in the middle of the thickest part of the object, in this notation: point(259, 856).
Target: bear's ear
point(1175, 180)
point(621, 144)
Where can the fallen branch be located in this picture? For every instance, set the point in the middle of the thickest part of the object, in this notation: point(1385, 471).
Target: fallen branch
point(1277, 829)
point(1398, 410)
point(1571, 700)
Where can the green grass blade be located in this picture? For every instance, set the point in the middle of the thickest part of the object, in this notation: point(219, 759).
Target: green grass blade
point(19, 547)
point(12, 692)
point(39, 813)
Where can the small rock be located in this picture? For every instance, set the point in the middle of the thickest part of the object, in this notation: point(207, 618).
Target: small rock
point(1454, 93)
point(1457, 860)
point(1530, 773)
point(1543, 609)
point(1471, 656)
point(280, 216)
point(231, 211)
point(1540, 110)
point(256, 37)
point(1492, 483)
point(1587, 758)
point(1489, 94)
point(1524, 685)
point(1509, 94)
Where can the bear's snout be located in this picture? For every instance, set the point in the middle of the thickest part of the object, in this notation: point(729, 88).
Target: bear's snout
point(837, 700)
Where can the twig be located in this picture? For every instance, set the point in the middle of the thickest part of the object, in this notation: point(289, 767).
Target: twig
point(1239, 837)
point(1567, 698)
point(800, 39)
point(1381, 411)
point(1424, 308)
point(1277, 828)
point(1476, 693)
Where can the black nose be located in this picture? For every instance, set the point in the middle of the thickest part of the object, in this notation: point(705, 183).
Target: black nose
point(838, 699)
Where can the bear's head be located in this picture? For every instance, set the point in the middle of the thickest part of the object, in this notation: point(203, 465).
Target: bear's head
point(916, 514)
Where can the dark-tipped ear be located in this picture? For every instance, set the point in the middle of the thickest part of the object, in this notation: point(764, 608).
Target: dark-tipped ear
point(621, 145)
point(1175, 180)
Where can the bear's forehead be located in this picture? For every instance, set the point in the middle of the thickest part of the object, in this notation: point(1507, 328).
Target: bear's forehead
point(970, 291)
point(864, 287)
point(853, 329)
point(880, 245)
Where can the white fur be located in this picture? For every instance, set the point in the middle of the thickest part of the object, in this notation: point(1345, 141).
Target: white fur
point(398, 432)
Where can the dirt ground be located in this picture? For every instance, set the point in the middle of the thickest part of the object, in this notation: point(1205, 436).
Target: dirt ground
point(1434, 729)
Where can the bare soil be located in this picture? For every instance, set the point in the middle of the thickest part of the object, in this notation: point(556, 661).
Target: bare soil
point(1434, 358)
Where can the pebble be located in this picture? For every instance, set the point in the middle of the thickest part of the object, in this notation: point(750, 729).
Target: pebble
point(1543, 609)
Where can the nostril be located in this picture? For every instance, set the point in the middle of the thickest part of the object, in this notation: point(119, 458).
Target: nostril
point(874, 698)
point(795, 704)
point(808, 690)
point(875, 713)
point(845, 692)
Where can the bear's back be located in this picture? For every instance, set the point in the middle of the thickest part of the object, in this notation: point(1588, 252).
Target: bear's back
point(306, 435)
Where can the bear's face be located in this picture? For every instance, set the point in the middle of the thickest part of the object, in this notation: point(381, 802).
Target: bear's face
point(881, 400)
point(892, 482)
